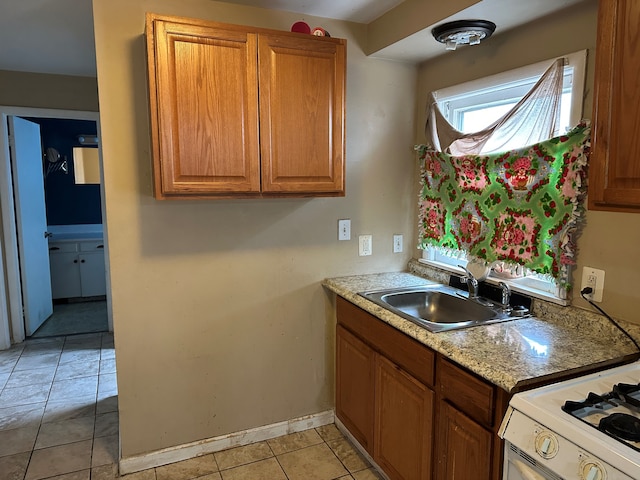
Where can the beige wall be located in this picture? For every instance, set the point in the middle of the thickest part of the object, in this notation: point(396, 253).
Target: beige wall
point(220, 320)
point(38, 90)
point(609, 241)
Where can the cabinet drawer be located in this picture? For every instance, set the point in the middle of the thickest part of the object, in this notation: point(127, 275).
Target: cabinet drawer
point(468, 393)
point(92, 246)
point(63, 247)
point(412, 356)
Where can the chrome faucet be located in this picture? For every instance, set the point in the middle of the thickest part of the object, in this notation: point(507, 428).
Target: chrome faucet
point(472, 282)
point(506, 296)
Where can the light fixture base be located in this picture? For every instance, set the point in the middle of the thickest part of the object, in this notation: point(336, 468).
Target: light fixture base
point(463, 32)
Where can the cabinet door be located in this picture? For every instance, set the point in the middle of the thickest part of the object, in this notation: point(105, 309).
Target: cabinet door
point(204, 109)
point(65, 275)
point(354, 386)
point(404, 420)
point(463, 449)
point(302, 95)
point(614, 169)
point(92, 274)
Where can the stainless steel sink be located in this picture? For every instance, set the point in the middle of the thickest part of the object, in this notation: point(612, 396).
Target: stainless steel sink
point(439, 307)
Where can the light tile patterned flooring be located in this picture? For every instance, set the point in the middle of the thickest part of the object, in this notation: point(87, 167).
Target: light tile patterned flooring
point(59, 420)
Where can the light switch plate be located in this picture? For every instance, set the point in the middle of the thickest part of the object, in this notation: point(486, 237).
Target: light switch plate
point(397, 243)
point(344, 229)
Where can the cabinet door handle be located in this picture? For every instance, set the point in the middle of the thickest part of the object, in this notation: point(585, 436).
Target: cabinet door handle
point(53, 248)
point(75, 261)
point(82, 261)
point(100, 246)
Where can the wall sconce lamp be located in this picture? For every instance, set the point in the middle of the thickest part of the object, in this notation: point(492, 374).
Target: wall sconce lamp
point(55, 162)
point(463, 32)
point(88, 140)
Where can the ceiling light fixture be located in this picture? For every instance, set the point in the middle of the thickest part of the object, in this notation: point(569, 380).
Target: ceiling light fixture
point(463, 32)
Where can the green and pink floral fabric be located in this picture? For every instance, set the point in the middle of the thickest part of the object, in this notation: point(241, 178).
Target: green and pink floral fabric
point(520, 207)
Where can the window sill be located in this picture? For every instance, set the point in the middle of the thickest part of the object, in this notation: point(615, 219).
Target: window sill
point(524, 285)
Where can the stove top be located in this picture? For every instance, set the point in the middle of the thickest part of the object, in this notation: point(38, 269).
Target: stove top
point(599, 413)
point(616, 413)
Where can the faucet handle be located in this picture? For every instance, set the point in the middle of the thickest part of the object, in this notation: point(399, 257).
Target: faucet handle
point(506, 295)
point(469, 275)
point(472, 282)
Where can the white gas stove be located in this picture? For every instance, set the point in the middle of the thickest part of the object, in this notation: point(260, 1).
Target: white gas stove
point(587, 428)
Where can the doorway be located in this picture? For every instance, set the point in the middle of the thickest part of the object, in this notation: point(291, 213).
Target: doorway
point(12, 328)
point(74, 226)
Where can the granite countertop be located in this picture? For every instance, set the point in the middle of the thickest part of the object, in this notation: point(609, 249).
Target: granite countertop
point(513, 355)
point(75, 233)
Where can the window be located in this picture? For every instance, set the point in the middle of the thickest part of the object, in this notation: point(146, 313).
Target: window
point(474, 105)
point(471, 107)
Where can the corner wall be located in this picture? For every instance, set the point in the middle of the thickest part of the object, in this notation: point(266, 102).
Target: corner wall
point(40, 90)
point(609, 241)
point(220, 320)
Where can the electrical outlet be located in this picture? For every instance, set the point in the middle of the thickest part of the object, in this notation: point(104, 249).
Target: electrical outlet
point(364, 245)
point(397, 244)
point(344, 229)
point(594, 278)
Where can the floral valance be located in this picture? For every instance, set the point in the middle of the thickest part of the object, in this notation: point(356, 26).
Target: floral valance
point(519, 207)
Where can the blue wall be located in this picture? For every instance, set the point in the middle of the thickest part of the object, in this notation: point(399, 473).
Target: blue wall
point(68, 203)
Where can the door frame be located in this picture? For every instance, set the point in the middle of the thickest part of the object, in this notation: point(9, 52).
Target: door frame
point(11, 318)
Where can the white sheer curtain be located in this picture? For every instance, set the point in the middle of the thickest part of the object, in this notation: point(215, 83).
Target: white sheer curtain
point(533, 119)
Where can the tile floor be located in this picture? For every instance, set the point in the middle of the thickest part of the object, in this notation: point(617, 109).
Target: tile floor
point(59, 420)
point(75, 317)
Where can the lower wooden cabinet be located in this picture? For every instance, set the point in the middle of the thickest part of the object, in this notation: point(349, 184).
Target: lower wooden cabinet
point(463, 447)
point(404, 422)
point(354, 377)
point(419, 415)
point(469, 413)
point(384, 393)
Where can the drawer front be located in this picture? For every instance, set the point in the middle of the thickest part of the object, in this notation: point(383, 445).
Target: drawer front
point(92, 246)
point(411, 355)
point(468, 393)
point(63, 247)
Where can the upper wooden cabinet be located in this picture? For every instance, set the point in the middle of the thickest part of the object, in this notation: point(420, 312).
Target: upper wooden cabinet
point(244, 112)
point(614, 170)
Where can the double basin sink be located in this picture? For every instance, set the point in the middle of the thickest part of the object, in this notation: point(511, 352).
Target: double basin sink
point(440, 307)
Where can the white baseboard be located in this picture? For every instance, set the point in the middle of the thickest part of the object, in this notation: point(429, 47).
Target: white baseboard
point(216, 444)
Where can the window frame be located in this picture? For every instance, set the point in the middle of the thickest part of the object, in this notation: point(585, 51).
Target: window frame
point(513, 83)
point(533, 285)
point(530, 285)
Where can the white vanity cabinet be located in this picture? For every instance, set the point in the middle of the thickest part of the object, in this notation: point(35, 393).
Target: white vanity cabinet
point(77, 268)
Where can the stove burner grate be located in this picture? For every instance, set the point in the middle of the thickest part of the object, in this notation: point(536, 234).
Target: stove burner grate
point(622, 425)
point(616, 413)
point(626, 392)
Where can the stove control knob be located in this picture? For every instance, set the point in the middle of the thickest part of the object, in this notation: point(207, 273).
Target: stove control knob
point(590, 470)
point(546, 444)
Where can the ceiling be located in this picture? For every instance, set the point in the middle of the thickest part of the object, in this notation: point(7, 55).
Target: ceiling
point(56, 36)
point(360, 11)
